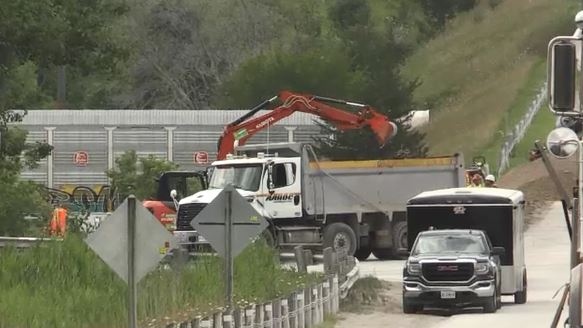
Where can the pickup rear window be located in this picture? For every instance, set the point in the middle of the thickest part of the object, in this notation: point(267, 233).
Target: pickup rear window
point(443, 243)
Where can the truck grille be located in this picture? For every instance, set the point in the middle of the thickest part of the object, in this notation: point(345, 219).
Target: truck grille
point(186, 213)
point(447, 271)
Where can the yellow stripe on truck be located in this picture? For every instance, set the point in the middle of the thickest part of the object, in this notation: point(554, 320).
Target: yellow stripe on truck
point(407, 162)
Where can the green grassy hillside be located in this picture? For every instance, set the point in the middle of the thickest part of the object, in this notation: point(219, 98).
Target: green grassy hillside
point(480, 75)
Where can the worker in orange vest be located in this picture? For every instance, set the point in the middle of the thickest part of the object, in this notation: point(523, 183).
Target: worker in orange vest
point(58, 224)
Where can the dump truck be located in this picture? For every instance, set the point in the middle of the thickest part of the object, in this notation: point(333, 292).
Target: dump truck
point(356, 205)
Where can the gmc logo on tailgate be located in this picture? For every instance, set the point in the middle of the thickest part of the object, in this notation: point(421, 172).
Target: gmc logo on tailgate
point(447, 268)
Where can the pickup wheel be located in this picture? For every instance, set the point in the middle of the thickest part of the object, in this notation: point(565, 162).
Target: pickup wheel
point(339, 235)
point(409, 308)
point(491, 304)
point(362, 253)
point(399, 239)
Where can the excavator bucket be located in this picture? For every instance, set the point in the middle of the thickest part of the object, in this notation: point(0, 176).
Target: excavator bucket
point(382, 128)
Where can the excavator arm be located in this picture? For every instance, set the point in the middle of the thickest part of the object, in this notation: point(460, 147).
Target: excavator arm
point(239, 131)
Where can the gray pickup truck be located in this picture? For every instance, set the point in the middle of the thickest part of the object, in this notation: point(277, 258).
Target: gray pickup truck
point(452, 268)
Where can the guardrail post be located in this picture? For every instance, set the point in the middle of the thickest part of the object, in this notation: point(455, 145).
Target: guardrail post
point(249, 317)
point(218, 320)
point(285, 320)
point(308, 306)
point(326, 296)
point(328, 264)
point(320, 302)
point(268, 315)
point(238, 316)
point(308, 257)
point(195, 323)
point(277, 314)
point(301, 310)
point(315, 309)
point(299, 255)
point(336, 292)
point(259, 315)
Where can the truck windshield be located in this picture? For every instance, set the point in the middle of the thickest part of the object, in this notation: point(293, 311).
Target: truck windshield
point(438, 244)
point(246, 177)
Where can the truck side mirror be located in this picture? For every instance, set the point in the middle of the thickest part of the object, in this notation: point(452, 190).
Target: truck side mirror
point(173, 194)
point(562, 76)
point(500, 251)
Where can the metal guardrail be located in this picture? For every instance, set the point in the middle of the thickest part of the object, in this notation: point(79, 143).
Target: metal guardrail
point(25, 242)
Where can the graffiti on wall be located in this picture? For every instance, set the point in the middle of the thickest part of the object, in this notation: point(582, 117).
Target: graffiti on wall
point(87, 199)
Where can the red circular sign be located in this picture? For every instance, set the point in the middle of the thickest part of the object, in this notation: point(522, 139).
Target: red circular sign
point(81, 158)
point(201, 157)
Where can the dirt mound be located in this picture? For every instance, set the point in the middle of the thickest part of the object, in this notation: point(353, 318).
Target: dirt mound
point(533, 179)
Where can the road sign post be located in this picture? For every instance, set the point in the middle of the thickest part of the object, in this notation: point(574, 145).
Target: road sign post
point(228, 248)
point(229, 215)
point(132, 285)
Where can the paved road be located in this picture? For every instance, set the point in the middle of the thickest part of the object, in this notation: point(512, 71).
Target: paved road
point(547, 261)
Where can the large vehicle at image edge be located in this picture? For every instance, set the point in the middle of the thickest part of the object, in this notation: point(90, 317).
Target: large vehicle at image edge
point(456, 276)
point(357, 205)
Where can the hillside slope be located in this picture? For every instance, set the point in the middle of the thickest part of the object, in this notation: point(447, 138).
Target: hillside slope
point(479, 76)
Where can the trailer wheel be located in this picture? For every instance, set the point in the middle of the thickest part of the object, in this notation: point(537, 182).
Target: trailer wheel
point(399, 239)
point(520, 297)
point(339, 235)
point(362, 253)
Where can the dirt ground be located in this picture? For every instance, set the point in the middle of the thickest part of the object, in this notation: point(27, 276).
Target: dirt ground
point(532, 179)
point(375, 303)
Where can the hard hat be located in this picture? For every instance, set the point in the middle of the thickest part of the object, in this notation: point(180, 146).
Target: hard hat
point(490, 177)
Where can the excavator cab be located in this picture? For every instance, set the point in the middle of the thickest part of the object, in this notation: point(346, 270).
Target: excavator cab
point(185, 183)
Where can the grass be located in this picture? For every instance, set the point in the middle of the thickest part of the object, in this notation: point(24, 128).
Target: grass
point(66, 285)
point(527, 92)
point(481, 70)
point(541, 125)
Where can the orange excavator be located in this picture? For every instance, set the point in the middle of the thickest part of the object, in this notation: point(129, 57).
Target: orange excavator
point(239, 131)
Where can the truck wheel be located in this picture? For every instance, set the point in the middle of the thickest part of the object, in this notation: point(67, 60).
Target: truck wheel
point(362, 253)
point(339, 235)
point(520, 297)
point(383, 253)
point(399, 239)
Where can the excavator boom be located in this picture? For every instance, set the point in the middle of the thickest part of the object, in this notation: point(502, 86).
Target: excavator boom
point(245, 127)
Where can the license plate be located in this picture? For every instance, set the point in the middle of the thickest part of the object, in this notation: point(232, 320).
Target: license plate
point(447, 294)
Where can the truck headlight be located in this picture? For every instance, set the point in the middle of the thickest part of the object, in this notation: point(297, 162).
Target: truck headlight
point(482, 268)
point(414, 268)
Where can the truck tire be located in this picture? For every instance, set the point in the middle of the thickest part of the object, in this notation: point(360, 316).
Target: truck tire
point(340, 235)
point(399, 239)
point(383, 253)
point(362, 253)
point(520, 297)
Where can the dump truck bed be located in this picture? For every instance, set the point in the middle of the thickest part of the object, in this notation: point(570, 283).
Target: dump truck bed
point(334, 187)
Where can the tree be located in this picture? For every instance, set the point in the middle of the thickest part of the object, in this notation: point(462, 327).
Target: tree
point(138, 176)
point(36, 37)
point(379, 54)
point(325, 72)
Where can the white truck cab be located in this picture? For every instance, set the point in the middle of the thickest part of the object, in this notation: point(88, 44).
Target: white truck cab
point(271, 184)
